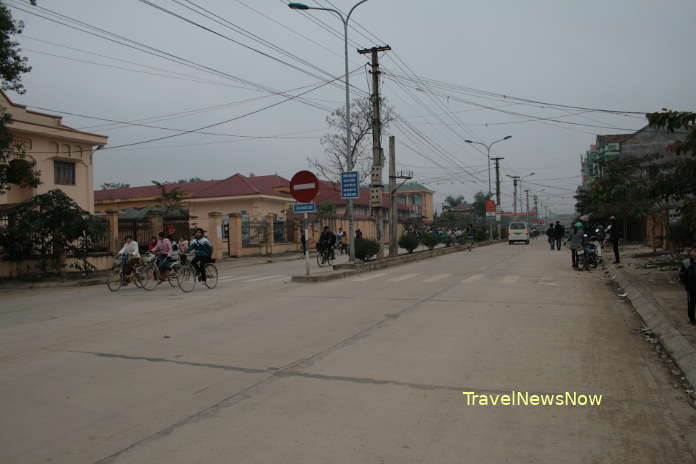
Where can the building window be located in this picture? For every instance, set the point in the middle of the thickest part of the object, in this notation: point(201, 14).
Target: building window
point(64, 173)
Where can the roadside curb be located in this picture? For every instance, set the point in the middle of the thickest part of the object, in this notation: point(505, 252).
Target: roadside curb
point(346, 270)
point(683, 353)
point(51, 284)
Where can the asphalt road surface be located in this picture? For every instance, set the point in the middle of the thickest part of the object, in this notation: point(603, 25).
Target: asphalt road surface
point(369, 369)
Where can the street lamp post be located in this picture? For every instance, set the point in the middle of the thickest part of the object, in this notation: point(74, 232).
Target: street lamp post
point(349, 155)
point(488, 156)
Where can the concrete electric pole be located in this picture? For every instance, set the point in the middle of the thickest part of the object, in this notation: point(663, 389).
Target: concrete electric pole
point(393, 210)
point(376, 185)
point(497, 194)
point(527, 211)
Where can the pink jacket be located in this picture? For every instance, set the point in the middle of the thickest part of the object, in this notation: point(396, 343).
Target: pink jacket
point(164, 246)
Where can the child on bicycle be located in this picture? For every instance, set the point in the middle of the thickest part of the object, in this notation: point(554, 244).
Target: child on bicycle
point(203, 250)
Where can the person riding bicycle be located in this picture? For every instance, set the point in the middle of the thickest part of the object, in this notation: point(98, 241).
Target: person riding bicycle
point(163, 250)
point(327, 241)
point(129, 255)
point(203, 250)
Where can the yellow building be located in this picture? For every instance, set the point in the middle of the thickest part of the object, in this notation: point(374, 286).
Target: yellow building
point(63, 156)
point(419, 196)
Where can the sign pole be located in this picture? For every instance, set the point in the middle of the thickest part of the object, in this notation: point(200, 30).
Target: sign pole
point(306, 250)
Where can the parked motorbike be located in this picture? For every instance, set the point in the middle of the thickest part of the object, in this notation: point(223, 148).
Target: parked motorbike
point(589, 254)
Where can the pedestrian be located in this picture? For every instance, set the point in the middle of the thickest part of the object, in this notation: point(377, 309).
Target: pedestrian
point(575, 243)
point(615, 235)
point(551, 235)
point(303, 239)
point(559, 234)
point(687, 277)
point(358, 235)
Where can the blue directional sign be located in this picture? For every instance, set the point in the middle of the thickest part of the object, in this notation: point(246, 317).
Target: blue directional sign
point(304, 207)
point(349, 185)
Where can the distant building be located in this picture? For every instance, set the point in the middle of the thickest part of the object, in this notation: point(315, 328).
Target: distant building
point(606, 147)
point(419, 196)
point(253, 197)
point(63, 155)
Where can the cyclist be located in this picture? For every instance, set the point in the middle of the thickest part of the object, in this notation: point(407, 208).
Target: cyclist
point(163, 250)
point(327, 242)
point(129, 255)
point(203, 250)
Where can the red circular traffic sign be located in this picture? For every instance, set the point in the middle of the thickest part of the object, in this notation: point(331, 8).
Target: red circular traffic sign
point(304, 186)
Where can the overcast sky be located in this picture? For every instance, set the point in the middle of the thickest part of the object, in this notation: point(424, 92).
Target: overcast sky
point(627, 55)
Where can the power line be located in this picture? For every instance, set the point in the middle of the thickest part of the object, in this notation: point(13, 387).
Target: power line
point(95, 31)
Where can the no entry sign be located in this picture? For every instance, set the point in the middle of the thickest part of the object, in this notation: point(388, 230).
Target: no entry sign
point(304, 186)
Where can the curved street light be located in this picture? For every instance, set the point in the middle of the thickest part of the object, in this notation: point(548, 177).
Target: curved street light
point(488, 155)
point(349, 155)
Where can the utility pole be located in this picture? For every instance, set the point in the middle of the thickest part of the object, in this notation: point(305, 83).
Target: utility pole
point(497, 194)
point(515, 179)
point(377, 187)
point(527, 211)
point(536, 208)
point(393, 210)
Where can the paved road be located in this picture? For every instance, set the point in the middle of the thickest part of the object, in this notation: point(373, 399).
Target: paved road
point(363, 370)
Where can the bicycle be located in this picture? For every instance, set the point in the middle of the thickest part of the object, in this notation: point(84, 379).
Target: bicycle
point(117, 278)
point(324, 257)
point(187, 275)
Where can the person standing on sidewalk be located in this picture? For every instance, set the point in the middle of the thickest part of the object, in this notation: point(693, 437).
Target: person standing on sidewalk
point(615, 235)
point(575, 242)
point(551, 235)
point(687, 277)
point(559, 233)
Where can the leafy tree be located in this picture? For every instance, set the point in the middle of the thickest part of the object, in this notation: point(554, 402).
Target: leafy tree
point(479, 204)
point(47, 227)
point(185, 181)
point(114, 185)
point(326, 210)
point(452, 202)
point(170, 198)
point(14, 168)
point(675, 181)
point(336, 161)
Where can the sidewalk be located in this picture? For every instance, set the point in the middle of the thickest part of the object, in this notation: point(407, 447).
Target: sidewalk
point(652, 285)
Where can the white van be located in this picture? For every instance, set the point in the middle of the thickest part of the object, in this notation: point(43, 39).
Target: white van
point(518, 232)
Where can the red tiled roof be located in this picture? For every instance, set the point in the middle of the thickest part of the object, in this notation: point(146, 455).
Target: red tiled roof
point(235, 185)
point(330, 192)
point(611, 138)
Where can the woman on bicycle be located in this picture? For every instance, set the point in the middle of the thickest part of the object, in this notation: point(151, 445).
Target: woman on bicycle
point(163, 250)
point(129, 255)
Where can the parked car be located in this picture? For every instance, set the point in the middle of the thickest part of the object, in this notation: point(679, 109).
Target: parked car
point(518, 232)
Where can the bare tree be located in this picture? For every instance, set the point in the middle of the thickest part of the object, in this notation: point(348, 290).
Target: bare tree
point(335, 160)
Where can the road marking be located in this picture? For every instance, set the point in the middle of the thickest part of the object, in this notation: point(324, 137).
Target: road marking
point(473, 278)
point(231, 278)
point(369, 277)
point(404, 277)
point(266, 278)
point(437, 277)
point(509, 279)
point(547, 280)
